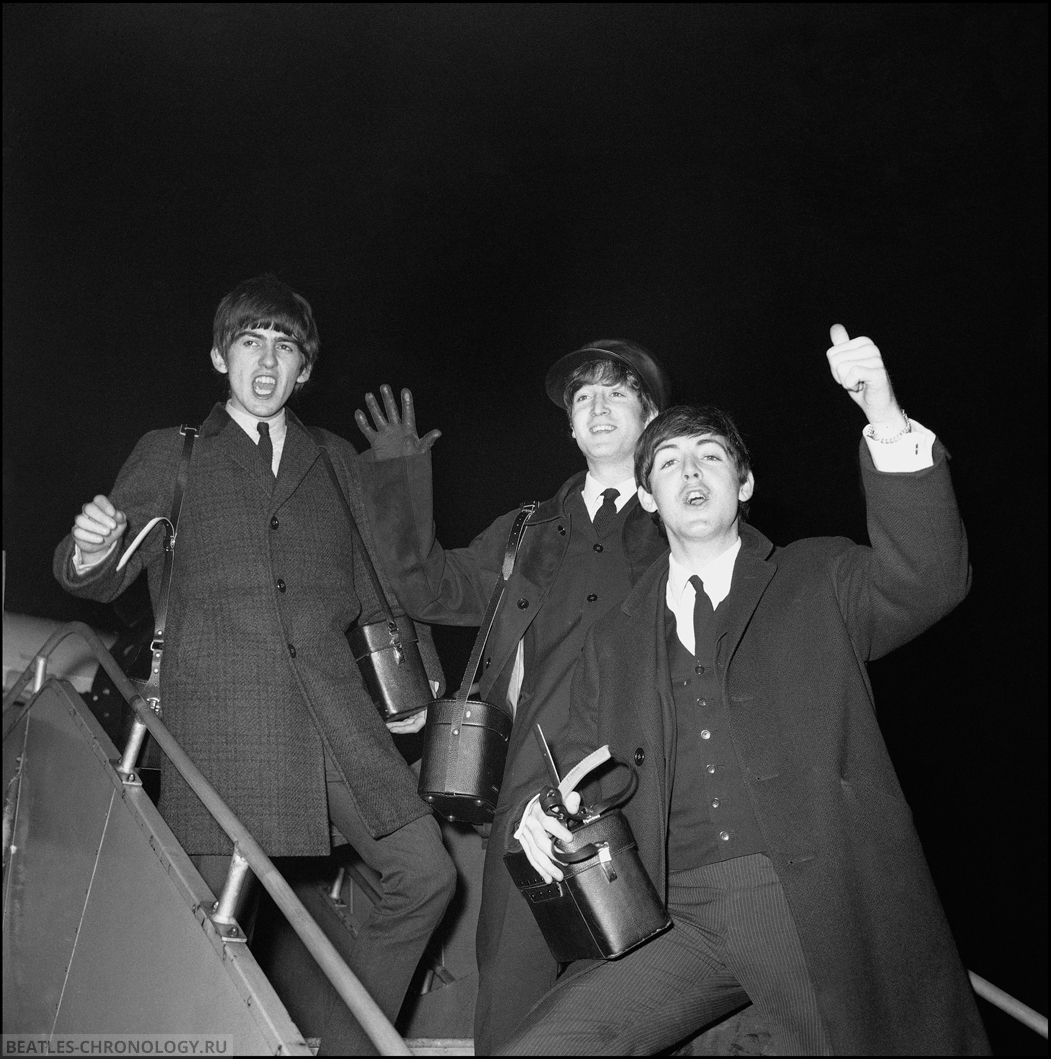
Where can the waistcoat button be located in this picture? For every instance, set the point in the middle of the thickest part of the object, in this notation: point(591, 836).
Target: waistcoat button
point(523, 603)
point(640, 756)
point(292, 650)
point(274, 523)
point(705, 734)
point(280, 585)
point(597, 547)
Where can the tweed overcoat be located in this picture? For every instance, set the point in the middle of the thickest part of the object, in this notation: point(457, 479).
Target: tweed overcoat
point(257, 676)
point(801, 623)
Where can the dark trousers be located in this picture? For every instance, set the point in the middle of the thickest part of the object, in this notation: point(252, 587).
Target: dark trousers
point(733, 941)
point(418, 880)
point(515, 966)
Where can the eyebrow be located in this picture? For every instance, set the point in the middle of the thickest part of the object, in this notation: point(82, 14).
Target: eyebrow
point(259, 334)
point(699, 440)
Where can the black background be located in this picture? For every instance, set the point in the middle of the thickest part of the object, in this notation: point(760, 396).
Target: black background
point(466, 191)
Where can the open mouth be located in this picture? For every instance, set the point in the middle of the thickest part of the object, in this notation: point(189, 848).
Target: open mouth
point(695, 497)
point(264, 385)
point(602, 428)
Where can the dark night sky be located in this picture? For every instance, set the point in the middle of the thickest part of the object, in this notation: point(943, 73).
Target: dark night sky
point(466, 191)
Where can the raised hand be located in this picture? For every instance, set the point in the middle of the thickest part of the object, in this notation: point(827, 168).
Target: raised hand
point(393, 435)
point(98, 525)
point(857, 366)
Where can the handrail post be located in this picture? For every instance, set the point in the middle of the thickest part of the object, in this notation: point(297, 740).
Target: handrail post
point(224, 914)
point(126, 768)
point(39, 672)
point(335, 891)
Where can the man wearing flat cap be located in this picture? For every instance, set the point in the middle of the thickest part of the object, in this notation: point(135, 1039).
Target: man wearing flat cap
point(581, 553)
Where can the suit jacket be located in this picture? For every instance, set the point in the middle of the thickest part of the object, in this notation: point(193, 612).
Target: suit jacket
point(257, 677)
point(801, 623)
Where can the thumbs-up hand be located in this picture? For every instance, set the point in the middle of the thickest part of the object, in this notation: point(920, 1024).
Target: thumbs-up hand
point(858, 367)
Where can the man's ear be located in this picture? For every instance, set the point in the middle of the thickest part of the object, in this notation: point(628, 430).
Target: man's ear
point(747, 488)
point(304, 375)
point(647, 501)
point(219, 361)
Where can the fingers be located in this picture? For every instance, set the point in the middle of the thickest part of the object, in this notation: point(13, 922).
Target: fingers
point(854, 362)
point(374, 410)
point(388, 403)
point(535, 833)
point(98, 524)
point(408, 725)
point(428, 439)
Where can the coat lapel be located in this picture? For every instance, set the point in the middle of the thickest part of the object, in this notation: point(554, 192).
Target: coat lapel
point(237, 446)
point(752, 574)
point(299, 455)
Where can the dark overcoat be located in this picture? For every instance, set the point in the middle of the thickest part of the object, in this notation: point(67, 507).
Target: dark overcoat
point(452, 586)
point(801, 623)
point(257, 676)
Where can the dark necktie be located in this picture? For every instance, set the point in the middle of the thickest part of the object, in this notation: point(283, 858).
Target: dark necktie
point(605, 514)
point(266, 446)
point(702, 612)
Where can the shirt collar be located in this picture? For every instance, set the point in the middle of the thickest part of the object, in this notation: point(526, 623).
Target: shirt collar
point(248, 423)
point(716, 575)
point(593, 489)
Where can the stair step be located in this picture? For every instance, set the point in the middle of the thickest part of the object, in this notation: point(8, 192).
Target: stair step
point(441, 1045)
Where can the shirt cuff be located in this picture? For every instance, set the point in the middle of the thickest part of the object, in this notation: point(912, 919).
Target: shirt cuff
point(911, 452)
point(81, 565)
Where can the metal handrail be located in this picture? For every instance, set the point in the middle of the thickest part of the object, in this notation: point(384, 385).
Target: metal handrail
point(1005, 1002)
point(353, 993)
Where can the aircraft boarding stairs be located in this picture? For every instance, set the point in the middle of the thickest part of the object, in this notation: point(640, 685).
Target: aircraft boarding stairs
point(110, 931)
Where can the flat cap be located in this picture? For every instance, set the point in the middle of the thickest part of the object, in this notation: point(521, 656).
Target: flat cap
point(641, 361)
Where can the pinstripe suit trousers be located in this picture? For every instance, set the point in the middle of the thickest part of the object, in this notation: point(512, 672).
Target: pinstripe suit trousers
point(733, 941)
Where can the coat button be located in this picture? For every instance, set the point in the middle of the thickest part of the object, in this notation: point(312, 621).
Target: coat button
point(715, 803)
point(280, 585)
point(292, 650)
point(702, 702)
point(640, 756)
point(592, 598)
point(488, 663)
point(597, 547)
point(698, 669)
point(562, 529)
point(724, 835)
point(705, 734)
point(710, 769)
point(274, 523)
point(523, 603)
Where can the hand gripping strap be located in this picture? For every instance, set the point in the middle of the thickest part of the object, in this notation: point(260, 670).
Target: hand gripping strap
point(151, 691)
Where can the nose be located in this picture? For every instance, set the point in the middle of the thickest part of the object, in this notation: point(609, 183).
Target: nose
point(599, 406)
point(269, 354)
point(691, 468)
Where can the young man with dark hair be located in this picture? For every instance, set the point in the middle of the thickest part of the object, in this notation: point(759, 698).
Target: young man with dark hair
point(258, 682)
point(768, 813)
point(581, 552)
